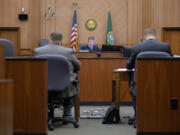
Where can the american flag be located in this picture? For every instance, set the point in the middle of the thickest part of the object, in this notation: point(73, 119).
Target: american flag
point(74, 35)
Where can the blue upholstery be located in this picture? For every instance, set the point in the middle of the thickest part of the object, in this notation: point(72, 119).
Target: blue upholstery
point(153, 54)
point(9, 48)
point(58, 72)
point(58, 81)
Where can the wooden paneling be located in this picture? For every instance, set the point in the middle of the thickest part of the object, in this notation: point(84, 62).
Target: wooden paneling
point(12, 34)
point(30, 94)
point(147, 14)
point(158, 82)
point(2, 61)
point(30, 29)
point(129, 19)
point(34, 25)
point(165, 14)
point(6, 107)
point(126, 19)
point(172, 36)
point(134, 27)
point(96, 80)
point(98, 11)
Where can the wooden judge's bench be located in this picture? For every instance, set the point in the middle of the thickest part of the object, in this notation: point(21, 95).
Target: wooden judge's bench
point(96, 76)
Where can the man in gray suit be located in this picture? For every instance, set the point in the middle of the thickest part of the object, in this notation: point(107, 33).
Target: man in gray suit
point(149, 44)
point(54, 47)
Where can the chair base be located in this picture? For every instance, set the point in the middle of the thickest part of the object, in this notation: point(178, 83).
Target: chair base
point(132, 121)
point(51, 122)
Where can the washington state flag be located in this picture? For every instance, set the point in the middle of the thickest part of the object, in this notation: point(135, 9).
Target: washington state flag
point(109, 35)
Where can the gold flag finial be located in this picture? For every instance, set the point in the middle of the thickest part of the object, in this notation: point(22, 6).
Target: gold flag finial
point(75, 5)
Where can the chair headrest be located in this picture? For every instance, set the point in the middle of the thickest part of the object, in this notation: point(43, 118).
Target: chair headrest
point(153, 54)
point(58, 71)
point(9, 48)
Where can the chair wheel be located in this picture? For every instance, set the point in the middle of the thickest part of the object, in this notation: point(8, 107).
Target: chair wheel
point(134, 124)
point(130, 122)
point(76, 125)
point(50, 127)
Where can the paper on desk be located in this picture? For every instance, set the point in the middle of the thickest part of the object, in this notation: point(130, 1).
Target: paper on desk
point(176, 56)
point(122, 69)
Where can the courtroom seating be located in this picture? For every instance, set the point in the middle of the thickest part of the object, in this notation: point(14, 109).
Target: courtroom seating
point(58, 81)
point(157, 96)
point(9, 48)
point(151, 55)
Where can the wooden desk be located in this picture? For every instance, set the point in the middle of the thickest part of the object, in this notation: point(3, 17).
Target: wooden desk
point(2, 61)
point(96, 79)
point(120, 75)
point(100, 54)
point(157, 83)
point(30, 94)
point(6, 107)
point(96, 76)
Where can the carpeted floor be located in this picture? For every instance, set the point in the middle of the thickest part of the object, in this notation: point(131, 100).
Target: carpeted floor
point(95, 126)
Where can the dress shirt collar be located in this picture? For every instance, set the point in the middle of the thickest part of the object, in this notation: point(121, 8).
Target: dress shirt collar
point(150, 37)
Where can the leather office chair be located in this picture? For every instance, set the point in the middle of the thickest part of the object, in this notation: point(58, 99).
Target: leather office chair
point(58, 81)
point(9, 48)
point(146, 55)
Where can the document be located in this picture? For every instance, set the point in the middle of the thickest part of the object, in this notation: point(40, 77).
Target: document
point(123, 70)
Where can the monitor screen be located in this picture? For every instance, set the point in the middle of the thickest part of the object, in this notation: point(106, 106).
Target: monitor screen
point(44, 42)
point(111, 48)
point(127, 50)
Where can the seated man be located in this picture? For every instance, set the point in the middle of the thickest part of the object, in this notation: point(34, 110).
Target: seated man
point(91, 47)
point(149, 44)
point(54, 47)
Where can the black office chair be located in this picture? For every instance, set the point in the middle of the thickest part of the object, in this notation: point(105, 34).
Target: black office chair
point(9, 48)
point(58, 81)
point(145, 55)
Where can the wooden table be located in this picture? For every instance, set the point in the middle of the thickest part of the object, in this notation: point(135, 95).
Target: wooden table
point(120, 75)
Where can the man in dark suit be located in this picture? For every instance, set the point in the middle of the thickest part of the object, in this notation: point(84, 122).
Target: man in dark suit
point(91, 47)
point(149, 44)
point(54, 47)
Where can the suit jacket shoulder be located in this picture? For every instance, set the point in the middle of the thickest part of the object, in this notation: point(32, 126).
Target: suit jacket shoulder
point(149, 45)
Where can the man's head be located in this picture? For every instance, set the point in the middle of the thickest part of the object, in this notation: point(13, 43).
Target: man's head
point(149, 33)
point(91, 41)
point(56, 37)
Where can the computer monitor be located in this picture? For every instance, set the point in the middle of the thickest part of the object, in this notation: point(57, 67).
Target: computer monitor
point(44, 42)
point(111, 48)
point(126, 51)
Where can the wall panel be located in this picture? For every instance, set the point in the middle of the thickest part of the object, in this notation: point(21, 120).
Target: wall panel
point(134, 21)
point(165, 14)
point(129, 19)
point(126, 20)
point(29, 30)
